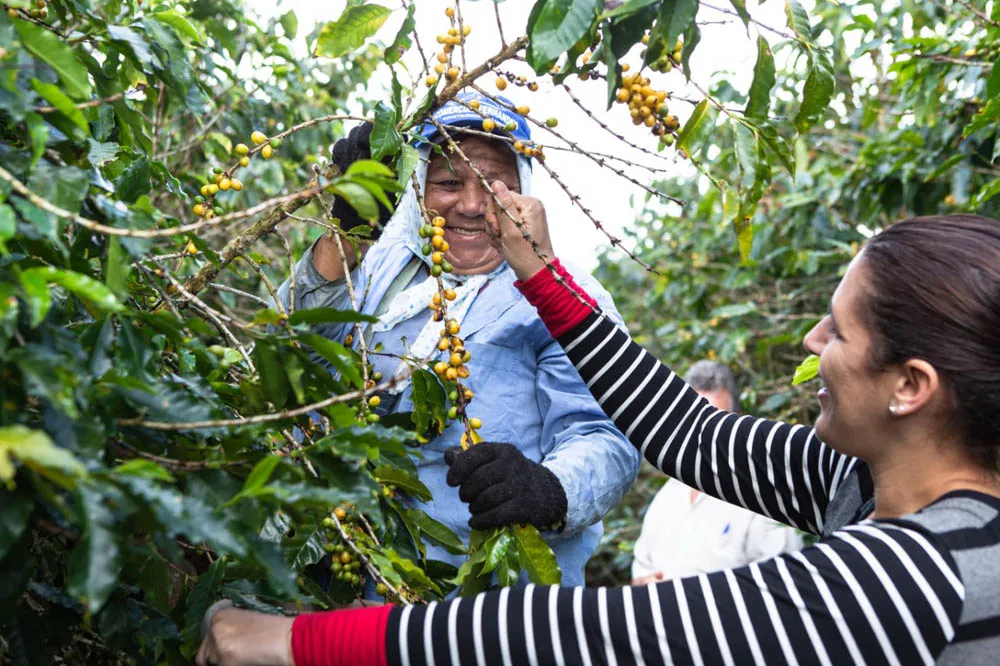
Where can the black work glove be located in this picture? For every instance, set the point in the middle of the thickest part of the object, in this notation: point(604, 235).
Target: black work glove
point(502, 487)
point(355, 146)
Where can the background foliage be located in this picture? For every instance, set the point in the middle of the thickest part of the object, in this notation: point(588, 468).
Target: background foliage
point(912, 130)
point(131, 497)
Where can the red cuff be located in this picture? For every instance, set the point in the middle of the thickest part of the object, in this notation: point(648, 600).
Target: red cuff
point(557, 306)
point(354, 637)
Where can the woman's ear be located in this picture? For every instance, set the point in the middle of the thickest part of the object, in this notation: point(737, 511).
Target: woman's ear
point(917, 386)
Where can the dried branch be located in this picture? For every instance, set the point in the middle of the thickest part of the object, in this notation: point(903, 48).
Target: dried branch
point(95, 102)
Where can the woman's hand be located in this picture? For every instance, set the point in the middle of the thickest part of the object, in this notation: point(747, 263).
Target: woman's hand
point(530, 213)
point(236, 637)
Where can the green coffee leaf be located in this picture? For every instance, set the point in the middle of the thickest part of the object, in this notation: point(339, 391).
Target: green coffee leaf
point(759, 102)
point(50, 49)
point(96, 560)
point(807, 369)
point(535, 556)
point(349, 32)
point(554, 27)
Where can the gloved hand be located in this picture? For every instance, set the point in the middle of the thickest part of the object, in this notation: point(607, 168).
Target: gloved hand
point(502, 487)
point(355, 146)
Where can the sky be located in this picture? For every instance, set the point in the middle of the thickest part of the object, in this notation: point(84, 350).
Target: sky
point(613, 201)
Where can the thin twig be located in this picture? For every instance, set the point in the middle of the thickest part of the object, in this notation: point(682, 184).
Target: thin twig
point(95, 102)
point(216, 318)
point(97, 227)
point(730, 12)
point(233, 290)
point(139, 421)
point(496, 11)
point(267, 282)
point(175, 465)
point(581, 151)
point(291, 270)
point(980, 13)
point(358, 332)
point(952, 60)
point(607, 129)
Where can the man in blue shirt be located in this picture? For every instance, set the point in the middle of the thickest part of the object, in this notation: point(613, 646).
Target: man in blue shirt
point(550, 457)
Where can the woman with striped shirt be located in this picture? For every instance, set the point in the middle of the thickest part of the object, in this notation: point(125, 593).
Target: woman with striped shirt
point(898, 478)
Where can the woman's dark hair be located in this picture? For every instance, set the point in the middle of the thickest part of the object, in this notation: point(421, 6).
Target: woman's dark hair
point(934, 294)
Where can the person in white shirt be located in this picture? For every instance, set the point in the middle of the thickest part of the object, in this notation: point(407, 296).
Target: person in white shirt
point(686, 532)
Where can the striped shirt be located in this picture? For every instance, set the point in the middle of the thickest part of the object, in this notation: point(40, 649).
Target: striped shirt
point(922, 589)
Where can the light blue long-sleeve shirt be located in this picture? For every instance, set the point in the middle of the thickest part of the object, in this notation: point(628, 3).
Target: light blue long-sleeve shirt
point(526, 392)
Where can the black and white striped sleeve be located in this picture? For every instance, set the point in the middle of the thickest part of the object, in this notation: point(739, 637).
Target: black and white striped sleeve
point(868, 595)
point(779, 470)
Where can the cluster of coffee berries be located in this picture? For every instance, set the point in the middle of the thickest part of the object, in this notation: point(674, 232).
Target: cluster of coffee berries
point(223, 180)
point(39, 10)
point(452, 369)
point(666, 61)
point(520, 81)
point(529, 149)
point(455, 36)
point(435, 247)
point(344, 563)
point(648, 107)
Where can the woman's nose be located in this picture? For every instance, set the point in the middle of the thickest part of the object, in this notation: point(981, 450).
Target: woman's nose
point(473, 200)
point(817, 337)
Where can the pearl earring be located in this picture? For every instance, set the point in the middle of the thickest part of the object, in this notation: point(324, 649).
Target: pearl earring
point(893, 409)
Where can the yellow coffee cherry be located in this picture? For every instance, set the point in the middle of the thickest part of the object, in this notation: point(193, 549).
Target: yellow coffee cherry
point(442, 58)
point(437, 241)
point(533, 86)
point(209, 215)
point(374, 401)
point(431, 81)
point(244, 161)
point(474, 104)
point(438, 231)
point(436, 298)
point(523, 110)
point(266, 152)
point(451, 374)
point(439, 221)
point(466, 30)
point(450, 12)
point(443, 344)
point(501, 83)
point(439, 68)
point(258, 137)
point(199, 209)
point(242, 149)
point(455, 360)
point(518, 146)
point(452, 73)
point(452, 32)
point(441, 39)
point(453, 327)
point(489, 125)
point(441, 367)
point(212, 189)
point(225, 184)
point(449, 294)
point(348, 340)
point(475, 423)
point(237, 184)
point(191, 248)
point(437, 257)
point(463, 371)
point(444, 246)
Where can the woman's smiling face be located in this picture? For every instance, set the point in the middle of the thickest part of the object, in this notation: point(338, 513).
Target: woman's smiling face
point(855, 397)
point(455, 192)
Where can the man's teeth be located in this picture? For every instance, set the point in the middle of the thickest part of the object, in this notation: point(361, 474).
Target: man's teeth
point(467, 232)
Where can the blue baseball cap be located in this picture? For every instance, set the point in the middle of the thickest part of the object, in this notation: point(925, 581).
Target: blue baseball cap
point(455, 114)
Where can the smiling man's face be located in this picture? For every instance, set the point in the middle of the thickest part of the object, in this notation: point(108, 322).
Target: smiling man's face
point(455, 193)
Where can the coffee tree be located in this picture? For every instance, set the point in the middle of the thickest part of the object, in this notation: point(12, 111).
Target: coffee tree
point(170, 433)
